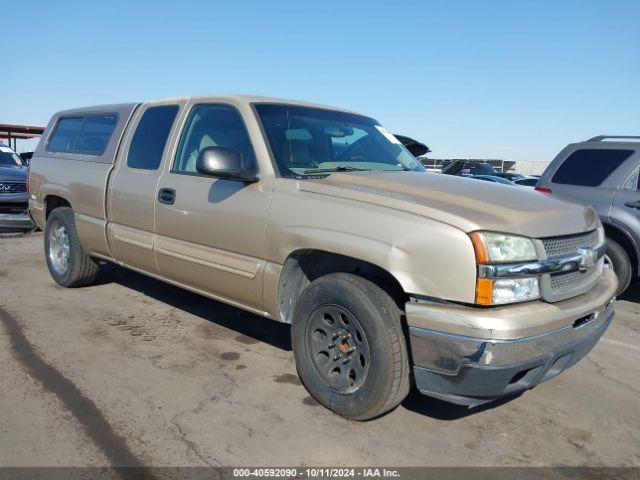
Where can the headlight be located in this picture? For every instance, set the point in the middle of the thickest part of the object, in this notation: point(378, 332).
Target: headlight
point(494, 247)
point(506, 290)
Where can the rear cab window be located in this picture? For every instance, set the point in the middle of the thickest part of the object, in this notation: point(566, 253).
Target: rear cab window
point(590, 167)
point(84, 134)
point(150, 137)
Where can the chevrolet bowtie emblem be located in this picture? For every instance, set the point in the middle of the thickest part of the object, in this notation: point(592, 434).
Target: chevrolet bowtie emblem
point(588, 258)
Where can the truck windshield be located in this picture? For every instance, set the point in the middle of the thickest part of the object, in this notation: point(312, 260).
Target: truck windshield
point(10, 159)
point(309, 141)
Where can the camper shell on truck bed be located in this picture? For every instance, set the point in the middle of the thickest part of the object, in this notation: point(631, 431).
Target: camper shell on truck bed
point(320, 218)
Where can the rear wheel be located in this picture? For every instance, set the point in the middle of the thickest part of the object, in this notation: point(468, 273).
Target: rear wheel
point(619, 260)
point(68, 264)
point(349, 346)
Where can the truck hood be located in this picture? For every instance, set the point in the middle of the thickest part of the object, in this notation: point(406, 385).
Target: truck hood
point(464, 203)
point(13, 174)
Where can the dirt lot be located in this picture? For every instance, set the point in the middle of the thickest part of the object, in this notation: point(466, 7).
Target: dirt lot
point(133, 371)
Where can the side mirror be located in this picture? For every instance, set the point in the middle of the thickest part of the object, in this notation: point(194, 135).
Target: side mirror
point(224, 163)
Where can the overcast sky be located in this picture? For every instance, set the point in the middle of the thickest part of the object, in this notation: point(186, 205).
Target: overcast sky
point(488, 79)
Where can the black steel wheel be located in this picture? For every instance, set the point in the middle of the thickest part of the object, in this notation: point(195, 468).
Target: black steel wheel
point(349, 347)
point(339, 348)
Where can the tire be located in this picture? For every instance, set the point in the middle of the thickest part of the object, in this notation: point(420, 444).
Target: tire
point(373, 364)
point(69, 266)
point(621, 264)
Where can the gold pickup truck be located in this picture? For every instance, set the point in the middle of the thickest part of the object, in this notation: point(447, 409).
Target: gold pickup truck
point(318, 217)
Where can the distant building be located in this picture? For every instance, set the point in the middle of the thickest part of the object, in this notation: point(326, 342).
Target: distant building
point(531, 167)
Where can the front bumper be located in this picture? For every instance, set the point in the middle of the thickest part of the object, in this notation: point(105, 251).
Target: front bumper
point(14, 211)
point(17, 221)
point(479, 355)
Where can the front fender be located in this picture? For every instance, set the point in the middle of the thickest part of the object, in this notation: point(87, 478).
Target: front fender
point(426, 257)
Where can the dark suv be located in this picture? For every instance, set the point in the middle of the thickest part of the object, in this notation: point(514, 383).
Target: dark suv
point(14, 198)
point(603, 172)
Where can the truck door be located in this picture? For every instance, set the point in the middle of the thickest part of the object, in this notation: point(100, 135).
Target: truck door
point(211, 232)
point(133, 185)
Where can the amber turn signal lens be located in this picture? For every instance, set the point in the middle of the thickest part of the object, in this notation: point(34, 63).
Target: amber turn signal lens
point(482, 255)
point(484, 291)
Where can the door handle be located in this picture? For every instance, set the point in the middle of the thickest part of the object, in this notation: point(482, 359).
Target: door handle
point(167, 196)
point(635, 204)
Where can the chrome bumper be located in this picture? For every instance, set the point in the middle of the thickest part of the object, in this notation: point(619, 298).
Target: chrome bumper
point(447, 353)
point(16, 221)
point(477, 355)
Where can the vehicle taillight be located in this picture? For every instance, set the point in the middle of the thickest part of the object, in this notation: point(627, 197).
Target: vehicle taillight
point(28, 179)
point(544, 190)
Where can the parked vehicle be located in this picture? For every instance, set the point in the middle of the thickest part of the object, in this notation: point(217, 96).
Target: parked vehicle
point(603, 172)
point(14, 199)
point(467, 169)
point(493, 179)
point(320, 218)
point(526, 181)
point(511, 176)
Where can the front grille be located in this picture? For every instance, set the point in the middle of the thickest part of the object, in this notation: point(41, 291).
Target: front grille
point(562, 282)
point(12, 187)
point(558, 246)
point(559, 286)
point(13, 207)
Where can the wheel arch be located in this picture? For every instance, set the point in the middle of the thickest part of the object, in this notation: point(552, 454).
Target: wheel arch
point(51, 202)
point(305, 265)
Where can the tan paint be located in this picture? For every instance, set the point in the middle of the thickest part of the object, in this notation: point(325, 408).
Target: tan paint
point(464, 203)
point(91, 231)
point(82, 184)
point(132, 236)
point(412, 248)
point(208, 257)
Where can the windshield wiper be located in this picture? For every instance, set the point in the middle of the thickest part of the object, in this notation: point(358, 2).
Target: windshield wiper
point(339, 168)
point(402, 169)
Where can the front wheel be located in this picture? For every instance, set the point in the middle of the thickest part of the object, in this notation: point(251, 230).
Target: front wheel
point(349, 347)
point(68, 264)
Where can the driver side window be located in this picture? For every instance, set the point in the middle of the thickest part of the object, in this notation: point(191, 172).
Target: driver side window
point(212, 125)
